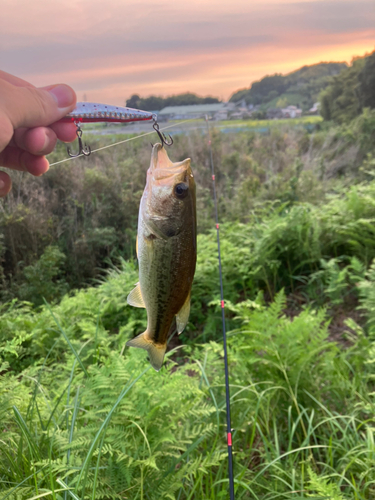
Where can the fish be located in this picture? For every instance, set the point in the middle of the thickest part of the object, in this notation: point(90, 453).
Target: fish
point(166, 251)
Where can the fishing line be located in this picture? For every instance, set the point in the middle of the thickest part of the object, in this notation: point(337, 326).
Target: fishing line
point(122, 142)
point(227, 394)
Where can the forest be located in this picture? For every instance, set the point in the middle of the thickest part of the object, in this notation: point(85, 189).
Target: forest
point(343, 90)
point(83, 417)
point(299, 87)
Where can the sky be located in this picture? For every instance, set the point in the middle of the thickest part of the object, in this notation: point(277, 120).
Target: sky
point(109, 50)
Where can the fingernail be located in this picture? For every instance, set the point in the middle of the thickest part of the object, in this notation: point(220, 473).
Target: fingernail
point(63, 95)
point(43, 148)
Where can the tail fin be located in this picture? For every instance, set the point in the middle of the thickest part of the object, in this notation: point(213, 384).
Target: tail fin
point(155, 351)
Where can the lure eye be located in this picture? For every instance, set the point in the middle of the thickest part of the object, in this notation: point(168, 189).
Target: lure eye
point(181, 190)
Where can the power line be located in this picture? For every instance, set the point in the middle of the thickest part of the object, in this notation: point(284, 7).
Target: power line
point(227, 394)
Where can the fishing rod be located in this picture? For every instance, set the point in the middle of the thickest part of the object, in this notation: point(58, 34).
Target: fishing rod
point(227, 393)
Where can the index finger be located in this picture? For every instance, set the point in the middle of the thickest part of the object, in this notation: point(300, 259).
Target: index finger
point(14, 80)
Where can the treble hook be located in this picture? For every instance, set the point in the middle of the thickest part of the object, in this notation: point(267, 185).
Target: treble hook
point(162, 136)
point(83, 150)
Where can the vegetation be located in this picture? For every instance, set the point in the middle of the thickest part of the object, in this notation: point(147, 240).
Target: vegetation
point(246, 123)
point(78, 411)
point(300, 87)
point(351, 91)
point(83, 417)
point(156, 103)
point(86, 210)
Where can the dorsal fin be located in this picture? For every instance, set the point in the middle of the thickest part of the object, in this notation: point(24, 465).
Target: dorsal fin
point(135, 297)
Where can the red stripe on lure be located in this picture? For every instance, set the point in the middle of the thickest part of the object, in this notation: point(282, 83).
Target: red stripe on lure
point(90, 112)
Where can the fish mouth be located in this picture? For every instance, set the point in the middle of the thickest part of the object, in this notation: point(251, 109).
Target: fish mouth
point(162, 167)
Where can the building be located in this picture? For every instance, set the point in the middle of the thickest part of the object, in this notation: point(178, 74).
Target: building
point(288, 112)
point(291, 112)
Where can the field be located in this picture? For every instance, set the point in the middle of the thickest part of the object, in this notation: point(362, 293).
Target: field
point(256, 124)
point(186, 126)
point(84, 417)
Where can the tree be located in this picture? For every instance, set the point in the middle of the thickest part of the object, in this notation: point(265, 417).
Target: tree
point(282, 102)
point(133, 102)
point(302, 86)
point(367, 82)
point(156, 103)
point(350, 91)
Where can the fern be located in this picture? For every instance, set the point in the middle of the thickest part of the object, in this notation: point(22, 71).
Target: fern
point(323, 487)
point(298, 399)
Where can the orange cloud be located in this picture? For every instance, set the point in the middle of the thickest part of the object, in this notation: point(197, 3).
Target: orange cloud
point(208, 46)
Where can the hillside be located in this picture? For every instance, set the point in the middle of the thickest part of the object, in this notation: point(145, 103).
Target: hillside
point(301, 87)
point(351, 91)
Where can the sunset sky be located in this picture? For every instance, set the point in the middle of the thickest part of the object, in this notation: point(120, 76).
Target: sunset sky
point(111, 50)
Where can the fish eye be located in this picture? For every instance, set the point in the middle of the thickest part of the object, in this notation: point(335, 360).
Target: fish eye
point(181, 190)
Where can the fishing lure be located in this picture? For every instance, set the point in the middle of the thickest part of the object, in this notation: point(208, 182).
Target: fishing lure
point(90, 112)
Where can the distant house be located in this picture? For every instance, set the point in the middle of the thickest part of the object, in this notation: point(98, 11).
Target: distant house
point(222, 114)
point(288, 112)
point(291, 112)
point(234, 111)
point(225, 113)
point(240, 114)
point(191, 111)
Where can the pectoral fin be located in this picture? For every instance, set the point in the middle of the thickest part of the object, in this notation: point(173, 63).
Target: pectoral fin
point(135, 297)
point(155, 351)
point(183, 315)
point(153, 228)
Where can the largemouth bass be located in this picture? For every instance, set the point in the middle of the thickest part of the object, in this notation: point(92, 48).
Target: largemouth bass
point(166, 250)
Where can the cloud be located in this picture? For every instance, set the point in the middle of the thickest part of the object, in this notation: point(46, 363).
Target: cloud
point(159, 44)
point(337, 17)
point(108, 49)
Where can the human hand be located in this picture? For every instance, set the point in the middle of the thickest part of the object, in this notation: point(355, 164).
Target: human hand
point(29, 125)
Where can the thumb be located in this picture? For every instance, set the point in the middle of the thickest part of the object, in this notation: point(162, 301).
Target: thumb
point(33, 107)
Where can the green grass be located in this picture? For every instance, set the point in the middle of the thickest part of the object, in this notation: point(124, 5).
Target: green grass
point(302, 417)
point(303, 120)
point(83, 417)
